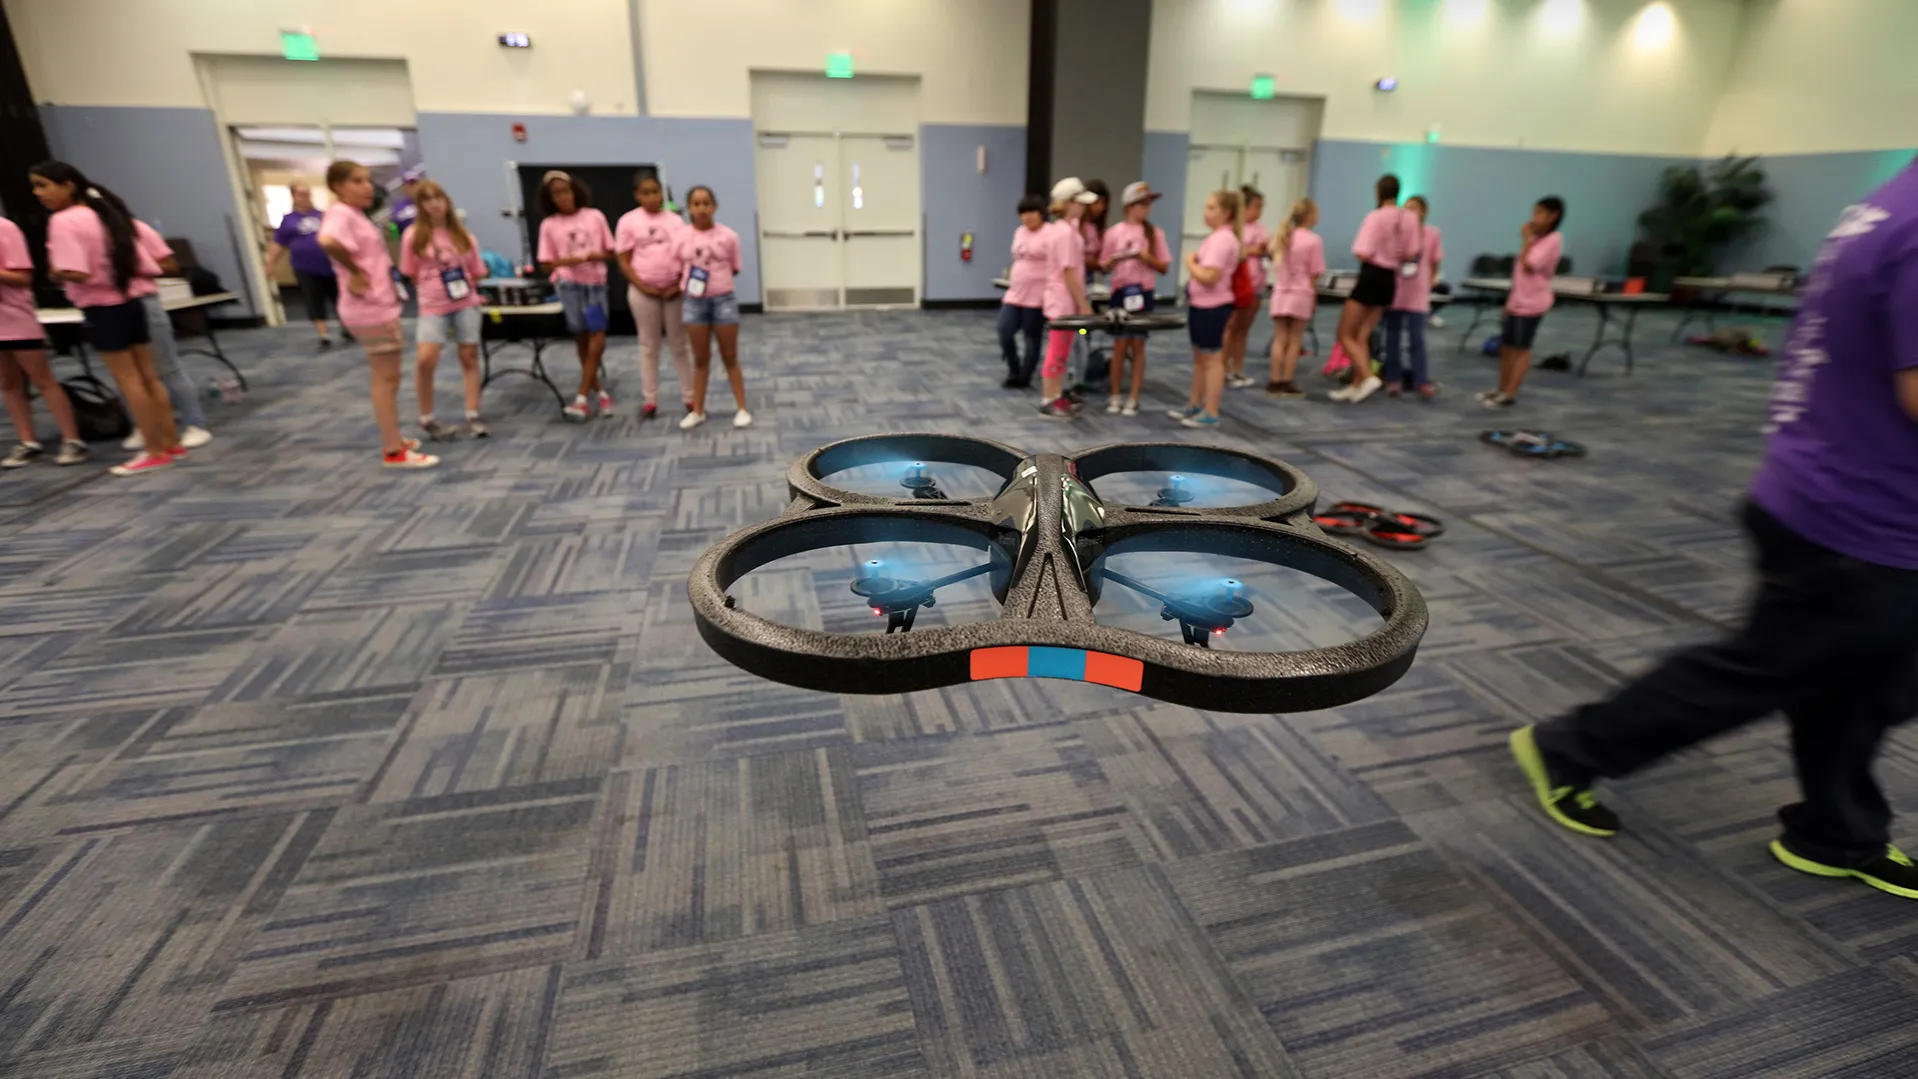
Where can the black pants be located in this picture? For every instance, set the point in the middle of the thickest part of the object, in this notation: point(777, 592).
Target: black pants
point(1831, 641)
point(1031, 322)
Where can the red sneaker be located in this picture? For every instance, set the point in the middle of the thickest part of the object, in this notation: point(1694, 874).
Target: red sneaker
point(648, 410)
point(146, 462)
point(409, 458)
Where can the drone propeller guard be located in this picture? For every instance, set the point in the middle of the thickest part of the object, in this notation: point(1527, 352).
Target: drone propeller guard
point(1044, 538)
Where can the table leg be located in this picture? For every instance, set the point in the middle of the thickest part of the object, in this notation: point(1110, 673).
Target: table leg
point(535, 371)
point(217, 353)
point(1598, 339)
point(1478, 315)
point(1631, 322)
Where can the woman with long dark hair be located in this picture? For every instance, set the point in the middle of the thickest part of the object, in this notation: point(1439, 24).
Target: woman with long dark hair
point(92, 250)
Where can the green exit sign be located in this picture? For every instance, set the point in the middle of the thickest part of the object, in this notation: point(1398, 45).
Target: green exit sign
point(1264, 87)
point(298, 45)
point(839, 65)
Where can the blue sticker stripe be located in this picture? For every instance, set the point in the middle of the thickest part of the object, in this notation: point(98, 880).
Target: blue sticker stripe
point(1068, 663)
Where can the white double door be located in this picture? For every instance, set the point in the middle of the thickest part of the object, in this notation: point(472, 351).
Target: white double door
point(1282, 174)
point(838, 219)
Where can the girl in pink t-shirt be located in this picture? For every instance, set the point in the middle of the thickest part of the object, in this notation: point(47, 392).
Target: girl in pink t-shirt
point(1092, 225)
point(1065, 293)
point(574, 244)
point(1530, 298)
point(1410, 306)
point(709, 251)
point(1022, 312)
point(647, 244)
point(443, 260)
point(369, 304)
point(1210, 308)
point(93, 249)
point(1255, 241)
point(1387, 245)
point(23, 359)
point(1134, 255)
point(1298, 258)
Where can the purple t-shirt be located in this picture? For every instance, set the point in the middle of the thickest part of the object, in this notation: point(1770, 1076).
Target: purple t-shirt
point(299, 233)
point(1841, 464)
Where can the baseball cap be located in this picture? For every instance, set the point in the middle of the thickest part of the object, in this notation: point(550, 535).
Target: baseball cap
point(416, 173)
point(1071, 190)
point(1138, 191)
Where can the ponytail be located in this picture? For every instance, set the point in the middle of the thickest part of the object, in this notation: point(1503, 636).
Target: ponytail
point(1229, 203)
point(114, 216)
point(1301, 210)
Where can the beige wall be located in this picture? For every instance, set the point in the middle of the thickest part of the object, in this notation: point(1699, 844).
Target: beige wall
point(1821, 76)
point(1502, 73)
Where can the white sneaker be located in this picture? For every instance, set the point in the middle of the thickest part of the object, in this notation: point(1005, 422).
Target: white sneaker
point(1366, 389)
point(742, 418)
point(133, 441)
point(574, 413)
point(1112, 406)
point(1131, 409)
point(1343, 393)
point(195, 437)
point(692, 420)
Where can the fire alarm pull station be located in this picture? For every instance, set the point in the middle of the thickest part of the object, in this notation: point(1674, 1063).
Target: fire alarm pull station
point(965, 247)
point(519, 132)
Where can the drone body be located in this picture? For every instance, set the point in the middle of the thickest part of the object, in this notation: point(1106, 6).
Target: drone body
point(1044, 540)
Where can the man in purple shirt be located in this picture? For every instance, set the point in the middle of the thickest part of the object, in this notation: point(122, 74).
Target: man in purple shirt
point(1832, 636)
point(298, 237)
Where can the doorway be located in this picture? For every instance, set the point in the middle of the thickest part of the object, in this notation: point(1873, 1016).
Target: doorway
point(838, 174)
point(1237, 140)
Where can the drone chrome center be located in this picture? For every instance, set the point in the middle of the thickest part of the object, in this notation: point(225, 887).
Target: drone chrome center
point(1047, 546)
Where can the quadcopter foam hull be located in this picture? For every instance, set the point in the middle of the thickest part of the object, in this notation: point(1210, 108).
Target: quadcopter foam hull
point(1046, 629)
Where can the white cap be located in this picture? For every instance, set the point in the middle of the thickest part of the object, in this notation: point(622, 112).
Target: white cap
point(1138, 191)
point(1071, 190)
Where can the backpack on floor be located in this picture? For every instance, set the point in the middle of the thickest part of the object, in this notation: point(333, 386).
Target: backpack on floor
point(99, 414)
point(1491, 345)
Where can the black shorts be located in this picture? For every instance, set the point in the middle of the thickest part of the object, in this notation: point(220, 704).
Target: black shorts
point(117, 328)
point(321, 292)
point(23, 345)
point(1520, 330)
point(1376, 288)
point(1206, 325)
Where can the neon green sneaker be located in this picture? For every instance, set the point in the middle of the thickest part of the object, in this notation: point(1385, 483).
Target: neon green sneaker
point(1573, 807)
point(1890, 872)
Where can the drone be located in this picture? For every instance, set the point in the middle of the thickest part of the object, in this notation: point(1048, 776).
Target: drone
point(1045, 542)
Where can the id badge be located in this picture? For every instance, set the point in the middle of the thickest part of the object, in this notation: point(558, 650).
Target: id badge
point(1132, 298)
point(696, 281)
point(1409, 269)
point(399, 287)
point(457, 287)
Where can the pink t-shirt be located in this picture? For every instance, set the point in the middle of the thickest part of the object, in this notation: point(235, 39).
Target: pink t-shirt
point(1091, 238)
point(1387, 237)
point(1065, 253)
point(351, 229)
point(1295, 277)
point(715, 250)
point(17, 320)
point(77, 241)
point(1221, 252)
point(442, 254)
point(1030, 249)
point(1126, 238)
point(1415, 293)
point(1532, 292)
point(582, 232)
point(653, 239)
point(1254, 233)
point(151, 242)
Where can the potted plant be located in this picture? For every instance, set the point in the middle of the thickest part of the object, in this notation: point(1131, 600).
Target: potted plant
point(1702, 211)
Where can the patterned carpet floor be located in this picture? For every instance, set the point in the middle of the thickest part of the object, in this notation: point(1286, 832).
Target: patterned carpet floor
point(309, 769)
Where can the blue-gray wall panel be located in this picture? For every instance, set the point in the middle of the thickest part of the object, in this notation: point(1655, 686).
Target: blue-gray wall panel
point(957, 198)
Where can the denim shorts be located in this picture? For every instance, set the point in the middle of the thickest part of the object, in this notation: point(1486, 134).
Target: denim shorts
point(117, 328)
point(720, 310)
point(1206, 326)
point(574, 299)
point(1520, 330)
point(1139, 335)
point(463, 326)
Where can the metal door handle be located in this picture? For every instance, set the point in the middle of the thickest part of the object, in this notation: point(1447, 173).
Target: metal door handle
point(878, 232)
point(825, 234)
